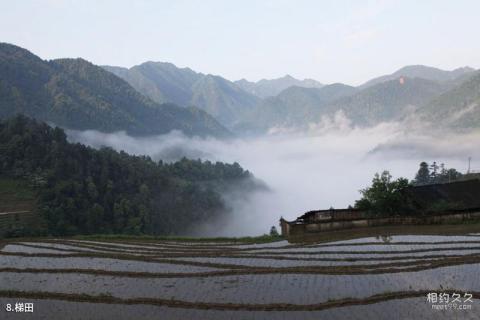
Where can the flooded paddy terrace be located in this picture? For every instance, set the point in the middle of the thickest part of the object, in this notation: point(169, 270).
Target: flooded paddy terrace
point(361, 276)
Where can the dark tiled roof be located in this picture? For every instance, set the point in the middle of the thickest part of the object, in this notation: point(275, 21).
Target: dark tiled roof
point(461, 195)
point(328, 211)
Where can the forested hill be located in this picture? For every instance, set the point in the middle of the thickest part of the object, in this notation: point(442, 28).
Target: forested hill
point(82, 190)
point(294, 107)
point(424, 72)
point(164, 82)
point(272, 87)
point(457, 108)
point(76, 94)
point(387, 101)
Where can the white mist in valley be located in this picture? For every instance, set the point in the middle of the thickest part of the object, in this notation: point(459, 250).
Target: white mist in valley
point(325, 167)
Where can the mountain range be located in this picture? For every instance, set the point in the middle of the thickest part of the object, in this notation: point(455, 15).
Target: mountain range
point(77, 94)
point(457, 108)
point(271, 87)
point(293, 107)
point(389, 100)
point(424, 72)
point(157, 97)
point(256, 107)
point(165, 83)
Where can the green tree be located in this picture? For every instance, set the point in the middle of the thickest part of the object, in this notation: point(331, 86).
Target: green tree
point(273, 231)
point(85, 190)
point(95, 218)
point(384, 196)
point(91, 189)
point(423, 175)
point(434, 172)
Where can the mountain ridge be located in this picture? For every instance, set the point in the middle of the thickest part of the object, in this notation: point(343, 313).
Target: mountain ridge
point(265, 88)
point(388, 101)
point(165, 82)
point(77, 94)
point(294, 106)
point(421, 71)
point(80, 95)
point(458, 107)
point(298, 107)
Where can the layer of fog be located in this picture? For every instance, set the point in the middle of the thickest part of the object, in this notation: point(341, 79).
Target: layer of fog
point(322, 168)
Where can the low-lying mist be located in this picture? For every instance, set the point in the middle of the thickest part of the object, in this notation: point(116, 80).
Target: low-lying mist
point(319, 169)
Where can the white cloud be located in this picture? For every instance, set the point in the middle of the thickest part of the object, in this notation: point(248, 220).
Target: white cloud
point(323, 167)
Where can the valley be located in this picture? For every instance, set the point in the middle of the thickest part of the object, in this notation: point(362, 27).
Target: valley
point(254, 161)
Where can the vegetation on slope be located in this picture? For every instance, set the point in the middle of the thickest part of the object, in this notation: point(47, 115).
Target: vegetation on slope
point(147, 238)
point(76, 94)
point(15, 195)
point(298, 107)
point(387, 101)
point(387, 197)
point(458, 108)
point(293, 107)
point(271, 87)
point(424, 72)
point(82, 190)
point(164, 82)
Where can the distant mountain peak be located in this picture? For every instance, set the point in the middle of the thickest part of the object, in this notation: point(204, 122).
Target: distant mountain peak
point(4, 46)
point(271, 87)
point(165, 82)
point(287, 76)
point(75, 93)
point(457, 108)
point(421, 71)
point(465, 69)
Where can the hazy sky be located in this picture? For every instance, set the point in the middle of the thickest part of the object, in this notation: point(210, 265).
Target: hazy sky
point(331, 41)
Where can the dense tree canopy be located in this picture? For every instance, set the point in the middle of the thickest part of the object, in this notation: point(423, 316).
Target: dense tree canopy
point(76, 94)
point(84, 190)
point(384, 196)
point(434, 173)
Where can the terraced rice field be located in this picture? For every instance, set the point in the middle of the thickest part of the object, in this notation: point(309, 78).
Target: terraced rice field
point(361, 278)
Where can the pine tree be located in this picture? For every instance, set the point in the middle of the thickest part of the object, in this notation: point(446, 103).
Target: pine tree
point(423, 174)
point(434, 172)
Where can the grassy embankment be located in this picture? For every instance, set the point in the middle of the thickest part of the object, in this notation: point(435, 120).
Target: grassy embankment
point(17, 209)
point(385, 232)
point(15, 195)
point(146, 238)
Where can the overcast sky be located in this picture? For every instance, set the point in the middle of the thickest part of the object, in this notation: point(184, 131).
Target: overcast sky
point(331, 41)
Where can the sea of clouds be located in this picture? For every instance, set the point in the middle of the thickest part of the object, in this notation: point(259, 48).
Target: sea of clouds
point(322, 167)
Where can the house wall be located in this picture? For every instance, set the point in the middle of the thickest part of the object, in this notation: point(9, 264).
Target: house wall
point(299, 228)
point(284, 227)
point(335, 215)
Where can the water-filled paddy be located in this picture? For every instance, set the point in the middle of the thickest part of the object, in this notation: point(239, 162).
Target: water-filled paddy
point(210, 280)
point(410, 308)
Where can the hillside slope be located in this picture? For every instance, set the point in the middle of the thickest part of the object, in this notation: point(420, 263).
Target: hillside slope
point(76, 94)
point(299, 107)
point(84, 190)
point(164, 82)
point(457, 108)
point(387, 101)
point(271, 87)
point(424, 72)
point(294, 107)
